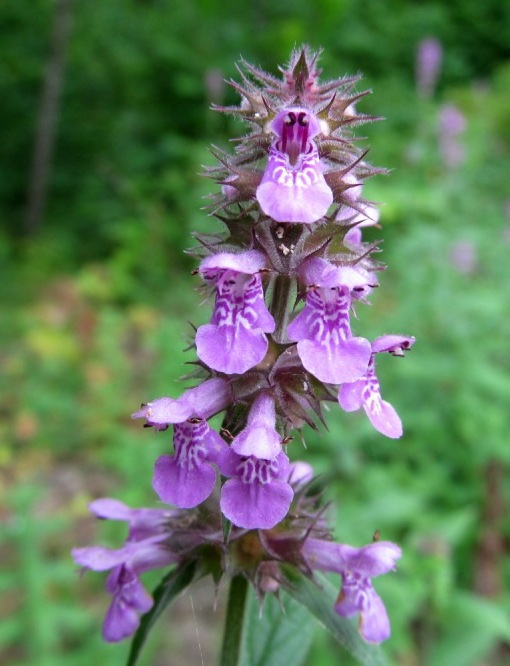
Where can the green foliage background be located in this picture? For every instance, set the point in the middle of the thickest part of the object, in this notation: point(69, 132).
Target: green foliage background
point(95, 307)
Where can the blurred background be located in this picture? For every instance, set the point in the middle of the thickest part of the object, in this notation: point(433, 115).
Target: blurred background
point(105, 124)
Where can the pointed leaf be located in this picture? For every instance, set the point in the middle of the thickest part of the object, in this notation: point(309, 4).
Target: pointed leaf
point(281, 634)
point(165, 593)
point(319, 598)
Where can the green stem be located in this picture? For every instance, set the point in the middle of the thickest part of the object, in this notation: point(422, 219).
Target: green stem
point(234, 622)
point(282, 304)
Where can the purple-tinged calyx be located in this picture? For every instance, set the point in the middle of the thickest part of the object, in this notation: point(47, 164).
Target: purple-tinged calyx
point(365, 216)
point(293, 188)
point(366, 391)
point(357, 566)
point(259, 438)
point(187, 477)
point(322, 329)
point(234, 341)
point(258, 495)
point(203, 401)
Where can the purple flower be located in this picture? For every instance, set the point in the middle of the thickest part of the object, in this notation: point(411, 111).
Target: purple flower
point(428, 65)
point(210, 397)
point(259, 438)
point(366, 391)
point(143, 523)
point(464, 256)
point(322, 329)
point(130, 600)
point(145, 549)
point(451, 125)
point(235, 341)
point(187, 478)
point(293, 188)
point(357, 566)
point(258, 495)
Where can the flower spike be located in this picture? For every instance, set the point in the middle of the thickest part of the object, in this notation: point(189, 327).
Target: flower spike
point(286, 272)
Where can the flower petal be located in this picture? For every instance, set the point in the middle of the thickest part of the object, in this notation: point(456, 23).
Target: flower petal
point(255, 506)
point(244, 262)
point(374, 624)
point(185, 486)
point(294, 193)
point(384, 418)
point(121, 621)
point(229, 349)
point(98, 558)
point(350, 395)
point(162, 411)
point(129, 601)
point(345, 361)
point(111, 509)
point(259, 438)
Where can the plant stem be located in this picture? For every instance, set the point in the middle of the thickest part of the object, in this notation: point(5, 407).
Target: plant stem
point(234, 622)
point(282, 305)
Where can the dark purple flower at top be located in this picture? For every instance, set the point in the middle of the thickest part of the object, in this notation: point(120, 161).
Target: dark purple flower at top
point(366, 392)
point(293, 187)
point(235, 341)
point(357, 567)
point(322, 329)
point(258, 495)
point(203, 401)
point(187, 477)
point(259, 438)
point(130, 599)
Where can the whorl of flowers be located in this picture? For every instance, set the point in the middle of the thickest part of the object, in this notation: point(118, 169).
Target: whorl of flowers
point(285, 275)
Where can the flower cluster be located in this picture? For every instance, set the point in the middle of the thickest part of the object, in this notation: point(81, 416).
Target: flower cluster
point(285, 278)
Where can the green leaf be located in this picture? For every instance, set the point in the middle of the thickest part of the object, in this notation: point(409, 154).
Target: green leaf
point(167, 591)
point(319, 598)
point(475, 627)
point(281, 634)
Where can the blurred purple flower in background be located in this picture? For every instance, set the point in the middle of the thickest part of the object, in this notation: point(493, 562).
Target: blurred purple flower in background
point(464, 256)
point(451, 125)
point(428, 65)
